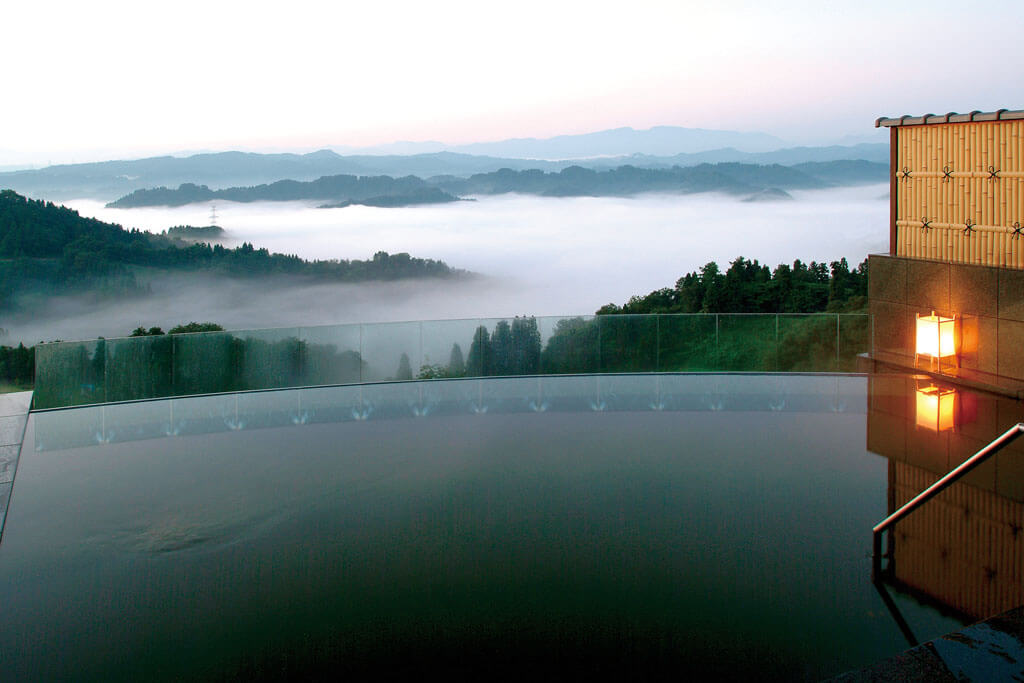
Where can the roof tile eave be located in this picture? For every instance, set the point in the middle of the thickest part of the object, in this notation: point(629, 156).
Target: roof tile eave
point(951, 117)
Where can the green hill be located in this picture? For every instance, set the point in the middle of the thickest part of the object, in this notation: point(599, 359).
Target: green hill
point(50, 249)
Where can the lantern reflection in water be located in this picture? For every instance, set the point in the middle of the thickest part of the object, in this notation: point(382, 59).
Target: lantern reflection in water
point(936, 408)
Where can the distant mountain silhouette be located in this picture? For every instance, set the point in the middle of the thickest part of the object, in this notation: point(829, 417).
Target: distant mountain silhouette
point(660, 140)
point(572, 181)
point(108, 180)
point(657, 141)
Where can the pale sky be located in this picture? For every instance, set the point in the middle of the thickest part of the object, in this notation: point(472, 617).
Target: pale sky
point(93, 80)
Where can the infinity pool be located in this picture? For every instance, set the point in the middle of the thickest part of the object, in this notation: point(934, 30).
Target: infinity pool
point(683, 525)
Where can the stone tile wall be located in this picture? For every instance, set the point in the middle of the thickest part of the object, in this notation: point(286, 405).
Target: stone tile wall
point(988, 301)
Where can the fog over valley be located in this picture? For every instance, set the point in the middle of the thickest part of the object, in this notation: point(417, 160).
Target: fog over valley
point(531, 255)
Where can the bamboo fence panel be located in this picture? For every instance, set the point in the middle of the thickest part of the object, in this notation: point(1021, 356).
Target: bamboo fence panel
point(960, 192)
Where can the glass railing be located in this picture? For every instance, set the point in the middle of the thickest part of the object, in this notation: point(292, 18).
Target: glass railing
point(133, 368)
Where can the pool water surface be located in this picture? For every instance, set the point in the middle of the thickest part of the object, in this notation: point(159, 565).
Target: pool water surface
point(683, 525)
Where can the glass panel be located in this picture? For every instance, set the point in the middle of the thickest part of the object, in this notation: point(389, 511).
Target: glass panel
point(140, 367)
point(269, 358)
point(747, 342)
point(322, 405)
point(331, 355)
point(453, 397)
point(570, 394)
point(218, 362)
point(807, 343)
point(478, 358)
point(630, 392)
point(55, 431)
point(570, 345)
point(206, 414)
point(390, 351)
point(854, 339)
point(389, 400)
point(261, 409)
point(70, 373)
point(136, 421)
point(524, 351)
point(628, 343)
point(681, 392)
point(505, 347)
point(510, 395)
point(686, 343)
point(446, 344)
point(206, 363)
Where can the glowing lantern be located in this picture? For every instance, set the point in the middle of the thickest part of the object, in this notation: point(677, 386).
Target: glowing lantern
point(935, 336)
point(936, 408)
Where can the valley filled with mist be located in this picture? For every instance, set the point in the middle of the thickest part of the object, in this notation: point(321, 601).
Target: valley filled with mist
point(529, 255)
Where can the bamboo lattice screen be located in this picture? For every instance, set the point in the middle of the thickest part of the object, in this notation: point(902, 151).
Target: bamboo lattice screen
point(959, 191)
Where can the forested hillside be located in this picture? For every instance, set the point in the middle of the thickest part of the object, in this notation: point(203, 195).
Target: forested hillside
point(749, 287)
point(339, 188)
point(50, 249)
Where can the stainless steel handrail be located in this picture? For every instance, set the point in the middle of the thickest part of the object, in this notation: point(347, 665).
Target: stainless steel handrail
point(935, 489)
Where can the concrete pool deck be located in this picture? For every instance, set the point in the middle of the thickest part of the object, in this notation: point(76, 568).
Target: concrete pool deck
point(13, 417)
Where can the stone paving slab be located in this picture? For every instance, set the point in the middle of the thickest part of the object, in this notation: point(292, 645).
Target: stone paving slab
point(13, 417)
point(17, 403)
point(991, 650)
point(8, 463)
point(12, 429)
point(5, 497)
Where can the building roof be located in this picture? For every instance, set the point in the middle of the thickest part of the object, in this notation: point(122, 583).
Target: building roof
point(951, 117)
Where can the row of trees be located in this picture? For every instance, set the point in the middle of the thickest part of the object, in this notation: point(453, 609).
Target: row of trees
point(17, 366)
point(749, 287)
point(511, 349)
point(697, 343)
point(660, 343)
